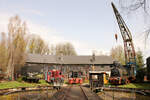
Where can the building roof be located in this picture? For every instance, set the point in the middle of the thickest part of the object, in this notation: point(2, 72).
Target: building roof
point(53, 59)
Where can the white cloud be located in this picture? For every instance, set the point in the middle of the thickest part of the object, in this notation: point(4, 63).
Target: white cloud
point(87, 48)
point(32, 11)
point(4, 18)
point(139, 42)
point(50, 35)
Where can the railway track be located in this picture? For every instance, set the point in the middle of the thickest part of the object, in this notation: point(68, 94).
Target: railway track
point(85, 95)
point(61, 94)
point(65, 94)
point(74, 93)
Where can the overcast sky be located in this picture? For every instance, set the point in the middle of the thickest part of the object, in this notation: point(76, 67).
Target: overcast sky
point(88, 24)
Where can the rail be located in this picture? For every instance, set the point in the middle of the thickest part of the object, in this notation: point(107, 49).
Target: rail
point(64, 93)
point(75, 93)
point(21, 89)
point(85, 95)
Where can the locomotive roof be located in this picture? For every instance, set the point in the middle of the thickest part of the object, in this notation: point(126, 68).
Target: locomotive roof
point(53, 59)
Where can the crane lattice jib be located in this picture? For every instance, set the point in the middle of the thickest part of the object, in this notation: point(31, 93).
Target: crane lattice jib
point(130, 57)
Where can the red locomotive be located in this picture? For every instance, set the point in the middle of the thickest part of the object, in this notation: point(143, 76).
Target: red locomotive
point(75, 77)
point(54, 77)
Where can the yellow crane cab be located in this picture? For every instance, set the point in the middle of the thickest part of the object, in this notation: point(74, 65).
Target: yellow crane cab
point(97, 78)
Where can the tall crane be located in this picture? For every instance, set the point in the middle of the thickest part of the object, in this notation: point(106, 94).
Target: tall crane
point(130, 56)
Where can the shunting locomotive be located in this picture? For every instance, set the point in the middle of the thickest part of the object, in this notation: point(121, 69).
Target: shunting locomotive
point(75, 77)
point(54, 77)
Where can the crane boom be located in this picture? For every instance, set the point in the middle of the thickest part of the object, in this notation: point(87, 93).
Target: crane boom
point(130, 56)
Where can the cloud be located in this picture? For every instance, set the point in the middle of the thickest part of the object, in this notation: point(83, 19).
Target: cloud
point(52, 36)
point(4, 18)
point(32, 11)
point(139, 43)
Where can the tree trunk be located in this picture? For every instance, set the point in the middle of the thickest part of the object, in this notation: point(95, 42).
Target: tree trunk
point(9, 69)
point(12, 73)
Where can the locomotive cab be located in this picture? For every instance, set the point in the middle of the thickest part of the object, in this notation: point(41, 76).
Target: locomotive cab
point(97, 79)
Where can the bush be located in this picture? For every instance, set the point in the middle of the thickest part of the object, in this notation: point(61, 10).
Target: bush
point(141, 72)
point(20, 79)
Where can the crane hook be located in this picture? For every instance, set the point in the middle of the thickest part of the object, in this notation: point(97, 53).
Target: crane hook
point(116, 37)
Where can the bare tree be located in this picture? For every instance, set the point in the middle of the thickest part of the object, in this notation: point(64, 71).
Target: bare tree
point(16, 45)
point(37, 45)
point(134, 5)
point(65, 49)
point(117, 53)
point(52, 50)
point(142, 6)
point(3, 53)
point(139, 58)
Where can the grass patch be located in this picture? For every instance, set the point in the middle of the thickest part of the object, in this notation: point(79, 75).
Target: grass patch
point(131, 85)
point(136, 85)
point(16, 84)
point(43, 82)
point(66, 82)
point(86, 81)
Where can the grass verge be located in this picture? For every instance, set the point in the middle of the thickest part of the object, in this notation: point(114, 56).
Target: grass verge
point(16, 84)
point(136, 85)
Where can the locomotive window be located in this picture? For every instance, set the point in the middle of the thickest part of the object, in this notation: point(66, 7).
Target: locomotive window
point(75, 74)
point(53, 74)
point(49, 73)
point(80, 73)
point(94, 76)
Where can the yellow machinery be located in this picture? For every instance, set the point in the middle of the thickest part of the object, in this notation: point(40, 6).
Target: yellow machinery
point(105, 78)
point(97, 78)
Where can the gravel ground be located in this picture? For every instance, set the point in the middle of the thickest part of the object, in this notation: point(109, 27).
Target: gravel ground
point(30, 95)
point(109, 95)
